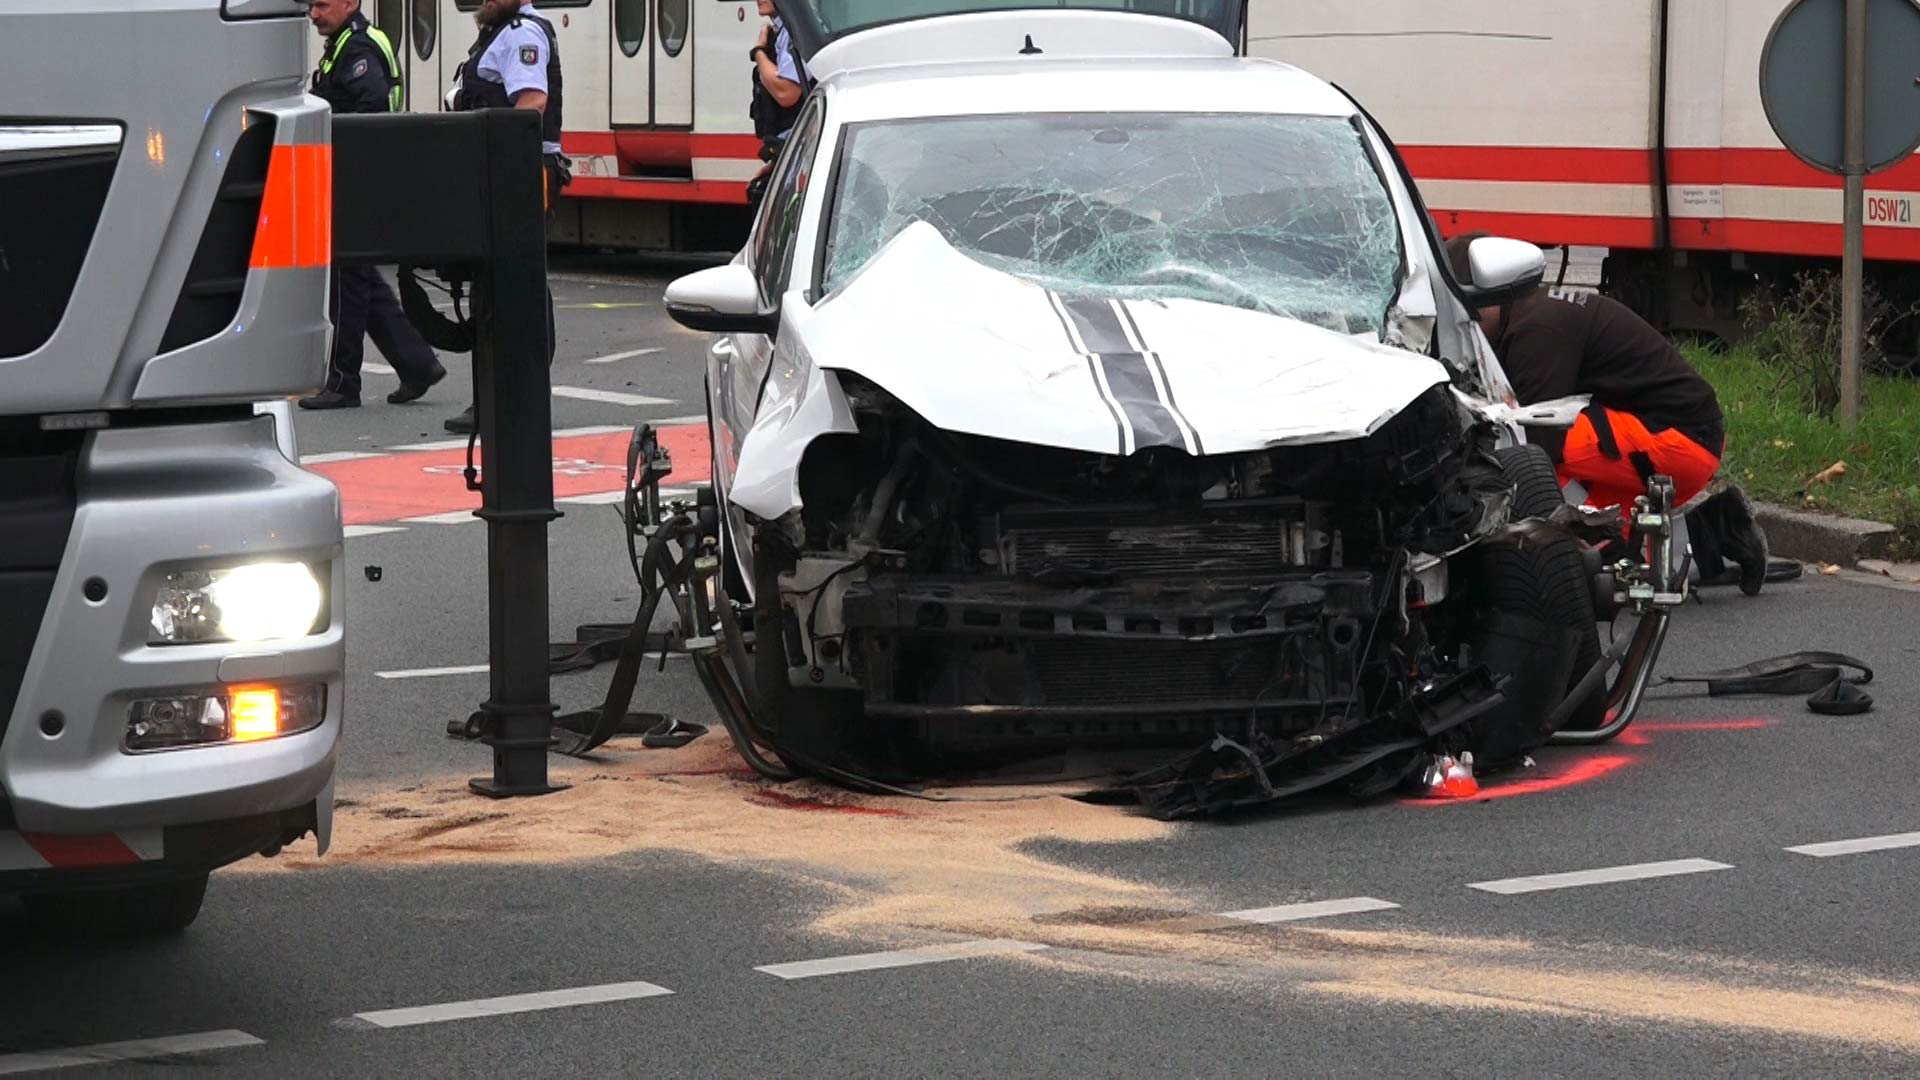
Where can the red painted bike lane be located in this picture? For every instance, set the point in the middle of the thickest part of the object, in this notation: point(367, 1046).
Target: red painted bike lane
point(423, 483)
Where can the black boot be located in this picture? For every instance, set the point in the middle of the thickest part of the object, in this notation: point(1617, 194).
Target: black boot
point(331, 399)
point(1744, 541)
point(415, 391)
point(462, 424)
point(1723, 530)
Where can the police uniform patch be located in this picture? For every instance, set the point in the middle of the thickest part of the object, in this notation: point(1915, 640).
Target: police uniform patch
point(529, 55)
point(359, 68)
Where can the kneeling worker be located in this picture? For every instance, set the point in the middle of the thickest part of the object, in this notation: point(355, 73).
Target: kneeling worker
point(1651, 413)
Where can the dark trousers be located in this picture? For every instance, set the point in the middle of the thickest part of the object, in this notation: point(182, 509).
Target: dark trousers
point(363, 305)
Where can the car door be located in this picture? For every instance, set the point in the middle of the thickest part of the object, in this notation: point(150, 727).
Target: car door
point(738, 364)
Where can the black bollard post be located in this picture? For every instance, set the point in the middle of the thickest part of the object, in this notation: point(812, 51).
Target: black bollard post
point(514, 408)
point(481, 213)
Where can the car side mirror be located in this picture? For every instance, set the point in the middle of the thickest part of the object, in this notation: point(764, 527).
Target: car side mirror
point(721, 300)
point(1503, 271)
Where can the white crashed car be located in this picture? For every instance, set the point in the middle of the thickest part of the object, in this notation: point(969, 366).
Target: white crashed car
point(1084, 384)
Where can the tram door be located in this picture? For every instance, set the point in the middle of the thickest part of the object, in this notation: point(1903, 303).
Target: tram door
point(653, 63)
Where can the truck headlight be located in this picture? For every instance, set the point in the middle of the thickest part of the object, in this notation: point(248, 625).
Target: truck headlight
point(263, 601)
point(230, 716)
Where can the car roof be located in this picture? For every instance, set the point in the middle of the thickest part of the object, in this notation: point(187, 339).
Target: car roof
point(1157, 85)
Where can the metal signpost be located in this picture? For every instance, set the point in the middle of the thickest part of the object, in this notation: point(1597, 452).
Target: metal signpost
point(1840, 80)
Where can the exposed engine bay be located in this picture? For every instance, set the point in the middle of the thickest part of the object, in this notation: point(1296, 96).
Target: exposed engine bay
point(1317, 612)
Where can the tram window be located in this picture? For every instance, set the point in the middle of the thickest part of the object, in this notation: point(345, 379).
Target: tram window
point(474, 5)
point(630, 25)
point(426, 27)
point(391, 18)
point(674, 15)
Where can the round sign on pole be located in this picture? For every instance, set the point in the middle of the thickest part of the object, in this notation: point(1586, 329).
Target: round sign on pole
point(1803, 83)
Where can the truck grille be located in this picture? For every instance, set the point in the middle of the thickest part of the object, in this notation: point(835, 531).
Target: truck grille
point(37, 502)
point(1228, 539)
point(210, 296)
point(54, 178)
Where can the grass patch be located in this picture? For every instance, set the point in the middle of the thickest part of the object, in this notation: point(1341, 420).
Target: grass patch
point(1775, 446)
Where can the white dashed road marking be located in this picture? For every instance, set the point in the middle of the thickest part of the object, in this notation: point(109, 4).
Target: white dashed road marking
point(341, 455)
point(597, 498)
point(517, 1003)
point(438, 444)
point(608, 397)
point(1858, 847)
point(133, 1050)
point(1606, 876)
point(899, 958)
point(1318, 909)
point(451, 517)
point(371, 530)
point(611, 498)
point(631, 354)
point(434, 672)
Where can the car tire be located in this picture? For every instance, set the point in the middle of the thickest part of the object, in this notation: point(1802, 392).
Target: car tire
point(1536, 494)
point(1536, 485)
point(1533, 609)
point(158, 909)
point(808, 727)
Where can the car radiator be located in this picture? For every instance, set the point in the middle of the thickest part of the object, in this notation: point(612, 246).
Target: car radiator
point(1229, 538)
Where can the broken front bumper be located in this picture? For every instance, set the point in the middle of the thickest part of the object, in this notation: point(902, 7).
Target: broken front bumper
point(992, 658)
point(1284, 684)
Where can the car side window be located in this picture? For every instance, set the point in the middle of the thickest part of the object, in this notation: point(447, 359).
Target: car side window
point(779, 223)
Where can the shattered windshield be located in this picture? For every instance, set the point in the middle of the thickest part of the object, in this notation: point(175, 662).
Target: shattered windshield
point(1281, 214)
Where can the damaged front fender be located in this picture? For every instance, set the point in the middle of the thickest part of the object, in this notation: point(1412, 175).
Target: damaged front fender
point(800, 403)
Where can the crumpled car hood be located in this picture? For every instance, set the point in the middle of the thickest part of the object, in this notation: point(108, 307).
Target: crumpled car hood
point(976, 351)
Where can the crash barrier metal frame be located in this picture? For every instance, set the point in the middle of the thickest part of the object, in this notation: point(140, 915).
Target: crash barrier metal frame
point(1651, 590)
point(482, 217)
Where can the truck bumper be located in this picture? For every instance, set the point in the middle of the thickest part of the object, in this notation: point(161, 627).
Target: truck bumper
point(151, 501)
point(58, 863)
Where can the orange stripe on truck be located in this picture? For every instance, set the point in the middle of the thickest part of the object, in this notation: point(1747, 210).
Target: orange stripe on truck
point(76, 851)
point(296, 211)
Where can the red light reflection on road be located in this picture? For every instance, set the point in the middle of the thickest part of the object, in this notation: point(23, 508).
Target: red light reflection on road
point(1594, 768)
point(1663, 727)
point(1637, 734)
point(1582, 772)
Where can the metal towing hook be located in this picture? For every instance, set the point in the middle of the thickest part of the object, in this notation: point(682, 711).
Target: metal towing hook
point(683, 545)
point(655, 566)
point(674, 546)
point(1650, 588)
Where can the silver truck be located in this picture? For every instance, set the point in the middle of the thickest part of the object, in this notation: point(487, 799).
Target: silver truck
point(171, 652)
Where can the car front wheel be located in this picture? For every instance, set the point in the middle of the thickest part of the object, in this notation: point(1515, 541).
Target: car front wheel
point(809, 727)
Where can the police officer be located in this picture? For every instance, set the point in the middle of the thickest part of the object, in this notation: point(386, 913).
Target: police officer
point(358, 74)
point(780, 84)
point(516, 64)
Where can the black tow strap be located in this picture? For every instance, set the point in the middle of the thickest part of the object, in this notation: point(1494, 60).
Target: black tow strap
point(578, 734)
point(594, 644)
point(1821, 674)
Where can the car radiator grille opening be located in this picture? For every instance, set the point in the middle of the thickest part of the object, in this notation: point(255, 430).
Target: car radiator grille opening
point(1261, 538)
point(1147, 673)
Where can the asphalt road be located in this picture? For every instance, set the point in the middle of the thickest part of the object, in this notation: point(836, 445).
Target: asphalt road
point(637, 908)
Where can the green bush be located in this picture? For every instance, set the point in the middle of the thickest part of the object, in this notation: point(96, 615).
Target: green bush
point(1796, 332)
